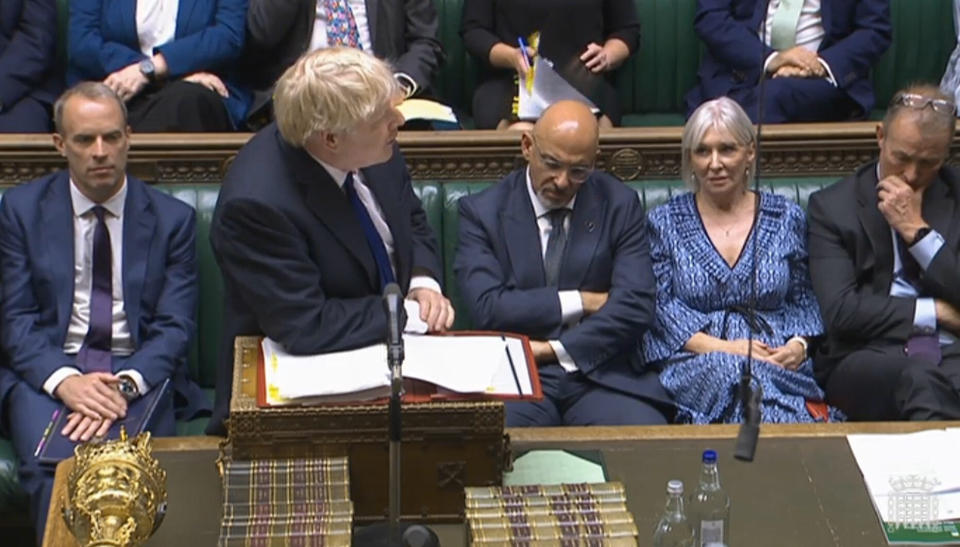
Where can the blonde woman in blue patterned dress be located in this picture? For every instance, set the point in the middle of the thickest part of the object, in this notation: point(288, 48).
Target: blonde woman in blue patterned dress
point(701, 249)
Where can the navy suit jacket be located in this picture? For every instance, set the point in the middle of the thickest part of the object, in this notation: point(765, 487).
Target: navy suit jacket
point(857, 33)
point(159, 283)
point(295, 263)
point(500, 271)
point(209, 38)
point(28, 40)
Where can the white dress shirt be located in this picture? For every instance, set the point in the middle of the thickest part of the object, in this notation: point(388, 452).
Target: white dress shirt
point(810, 31)
point(412, 307)
point(571, 305)
point(84, 224)
point(156, 23)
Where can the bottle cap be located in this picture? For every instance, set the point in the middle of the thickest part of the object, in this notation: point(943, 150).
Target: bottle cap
point(675, 487)
point(709, 456)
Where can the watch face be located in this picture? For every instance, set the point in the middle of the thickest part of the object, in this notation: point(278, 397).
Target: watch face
point(147, 68)
point(127, 388)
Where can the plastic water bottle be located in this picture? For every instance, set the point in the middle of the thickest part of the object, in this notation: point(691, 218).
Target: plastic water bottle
point(710, 506)
point(674, 530)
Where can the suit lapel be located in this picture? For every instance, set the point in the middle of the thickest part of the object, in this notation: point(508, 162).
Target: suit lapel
point(378, 180)
point(373, 13)
point(521, 235)
point(184, 17)
point(330, 205)
point(56, 225)
point(139, 226)
point(939, 203)
point(583, 236)
point(875, 227)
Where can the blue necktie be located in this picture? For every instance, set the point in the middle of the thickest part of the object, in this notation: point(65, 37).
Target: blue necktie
point(374, 241)
point(94, 355)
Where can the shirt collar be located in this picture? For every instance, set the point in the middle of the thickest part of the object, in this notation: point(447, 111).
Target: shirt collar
point(539, 209)
point(82, 204)
point(339, 175)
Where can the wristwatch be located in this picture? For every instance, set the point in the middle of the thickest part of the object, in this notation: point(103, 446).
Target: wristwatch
point(148, 69)
point(128, 388)
point(921, 233)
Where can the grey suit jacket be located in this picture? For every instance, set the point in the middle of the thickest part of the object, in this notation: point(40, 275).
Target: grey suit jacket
point(403, 32)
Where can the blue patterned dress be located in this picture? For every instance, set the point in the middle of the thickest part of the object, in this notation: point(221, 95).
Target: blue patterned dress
point(697, 291)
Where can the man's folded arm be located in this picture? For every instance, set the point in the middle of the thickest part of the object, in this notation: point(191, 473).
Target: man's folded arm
point(266, 258)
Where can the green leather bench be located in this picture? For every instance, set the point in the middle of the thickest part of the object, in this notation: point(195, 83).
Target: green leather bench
point(653, 82)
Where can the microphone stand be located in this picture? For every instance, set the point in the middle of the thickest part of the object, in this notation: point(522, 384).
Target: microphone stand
point(395, 360)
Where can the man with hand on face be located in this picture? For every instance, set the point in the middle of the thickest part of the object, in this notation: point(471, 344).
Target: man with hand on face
point(887, 277)
point(99, 290)
point(317, 215)
point(559, 252)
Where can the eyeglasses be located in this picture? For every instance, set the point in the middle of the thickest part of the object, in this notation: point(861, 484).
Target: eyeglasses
point(920, 102)
point(576, 173)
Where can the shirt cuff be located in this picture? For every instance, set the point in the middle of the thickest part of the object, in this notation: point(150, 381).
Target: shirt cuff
point(925, 316)
point(926, 249)
point(766, 63)
point(410, 87)
point(59, 375)
point(829, 77)
point(563, 358)
point(137, 378)
point(571, 306)
point(414, 325)
point(424, 282)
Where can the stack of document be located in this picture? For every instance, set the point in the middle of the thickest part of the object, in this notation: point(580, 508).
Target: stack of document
point(914, 483)
point(489, 365)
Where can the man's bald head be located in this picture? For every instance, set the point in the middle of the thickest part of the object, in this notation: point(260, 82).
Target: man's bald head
point(561, 151)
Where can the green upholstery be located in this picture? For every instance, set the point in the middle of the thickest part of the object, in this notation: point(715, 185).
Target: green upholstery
point(653, 82)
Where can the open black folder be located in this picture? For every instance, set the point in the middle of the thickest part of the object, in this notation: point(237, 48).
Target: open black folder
point(54, 446)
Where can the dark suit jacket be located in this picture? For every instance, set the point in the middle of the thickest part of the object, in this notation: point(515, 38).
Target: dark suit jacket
point(404, 32)
point(857, 33)
point(209, 38)
point(296, 265)
point(500, 272)
point(851, 264)
point(28, 42)
point(159, 283)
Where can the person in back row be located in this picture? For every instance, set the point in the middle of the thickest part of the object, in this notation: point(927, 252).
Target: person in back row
point(317, 215)
point(885, 263)
point(702, 245)
point(558, 251)
point(28, 82)
point(815, 54)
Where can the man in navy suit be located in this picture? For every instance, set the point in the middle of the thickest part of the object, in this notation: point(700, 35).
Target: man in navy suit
point(28, 84)
point(815, 54)
point(317, 215)
point(99, 289)
point(558, 251)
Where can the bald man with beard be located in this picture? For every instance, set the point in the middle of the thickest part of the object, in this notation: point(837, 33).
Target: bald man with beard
point(558, 251)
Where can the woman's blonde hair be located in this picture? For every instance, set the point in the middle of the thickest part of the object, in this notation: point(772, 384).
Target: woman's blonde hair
point(724, 115)
point(333, 90)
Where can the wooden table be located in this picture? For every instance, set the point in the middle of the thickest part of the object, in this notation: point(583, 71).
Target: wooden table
point(803, 489)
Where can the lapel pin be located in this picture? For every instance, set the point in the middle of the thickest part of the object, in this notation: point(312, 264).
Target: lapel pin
point(590, 225)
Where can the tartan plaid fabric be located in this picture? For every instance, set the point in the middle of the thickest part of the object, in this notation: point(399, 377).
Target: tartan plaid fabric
point(341, 26)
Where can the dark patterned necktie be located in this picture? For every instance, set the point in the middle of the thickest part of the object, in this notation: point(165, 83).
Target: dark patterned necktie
point(341, 25)
point(924, 346)
point(374, 241)
point(556, 242)
point(94, 355)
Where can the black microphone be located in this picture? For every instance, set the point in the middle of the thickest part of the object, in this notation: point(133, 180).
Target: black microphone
point(393, 306)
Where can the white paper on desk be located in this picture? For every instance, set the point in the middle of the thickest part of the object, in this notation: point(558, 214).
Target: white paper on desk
point(464, 364)
point(548, 87)
point(925, 462)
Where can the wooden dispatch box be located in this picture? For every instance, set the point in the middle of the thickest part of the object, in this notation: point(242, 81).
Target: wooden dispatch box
point(446, 446)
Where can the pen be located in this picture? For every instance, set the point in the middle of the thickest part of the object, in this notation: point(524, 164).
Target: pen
point(46, 432)
point(523, 49)
point(513, 369)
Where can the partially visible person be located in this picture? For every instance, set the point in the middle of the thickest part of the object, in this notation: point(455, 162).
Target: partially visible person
point(28, 82)
point(402, 32)
point(171, 61)
point(885, 262)
point(99, 290)
point(558, 251)
point(950, 83)
point(317, 215)
point(816, 56)
point(706, 245)
point(490, 30)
